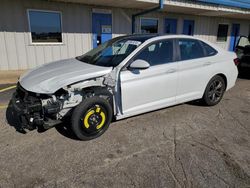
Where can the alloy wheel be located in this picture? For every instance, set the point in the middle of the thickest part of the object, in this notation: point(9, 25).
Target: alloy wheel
point(215, 91)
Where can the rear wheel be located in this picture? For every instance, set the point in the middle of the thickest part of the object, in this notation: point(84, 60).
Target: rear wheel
point(91, 118)
point(214, 91)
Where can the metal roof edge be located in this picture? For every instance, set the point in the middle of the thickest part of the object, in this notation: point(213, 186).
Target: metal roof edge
point(231, 3)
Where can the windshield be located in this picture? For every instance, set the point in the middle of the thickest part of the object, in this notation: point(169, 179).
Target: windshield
point(110, 53)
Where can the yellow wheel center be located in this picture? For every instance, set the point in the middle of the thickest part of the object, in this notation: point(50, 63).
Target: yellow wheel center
point(90, 113)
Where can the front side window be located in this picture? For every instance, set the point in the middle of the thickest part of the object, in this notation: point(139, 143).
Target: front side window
point(160, 52)
point(190, 49)
point(222, 33)
point(149, 25)
point(110, 53)
point(45, 27)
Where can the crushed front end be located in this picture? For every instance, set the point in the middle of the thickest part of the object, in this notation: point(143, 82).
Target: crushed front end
point(35, 110)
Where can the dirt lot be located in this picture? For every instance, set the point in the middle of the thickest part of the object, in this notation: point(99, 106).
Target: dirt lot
point(183, 146)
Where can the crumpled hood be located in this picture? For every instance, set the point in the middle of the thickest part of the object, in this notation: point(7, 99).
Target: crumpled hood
point(50, 77)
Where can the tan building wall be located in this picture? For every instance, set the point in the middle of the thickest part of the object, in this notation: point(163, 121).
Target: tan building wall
point(205, 27)
point(16, 48)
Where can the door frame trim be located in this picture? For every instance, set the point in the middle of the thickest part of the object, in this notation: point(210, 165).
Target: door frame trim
point(168, 18)
point(91, 25)
point(233, 36)
point(193, 20)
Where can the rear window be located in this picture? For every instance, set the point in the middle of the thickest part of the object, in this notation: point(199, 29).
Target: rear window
point(210, 51)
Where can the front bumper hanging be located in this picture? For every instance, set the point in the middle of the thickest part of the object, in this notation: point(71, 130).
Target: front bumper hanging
point(29, 115)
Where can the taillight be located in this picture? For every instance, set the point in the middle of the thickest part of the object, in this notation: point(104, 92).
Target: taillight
point(236, 61)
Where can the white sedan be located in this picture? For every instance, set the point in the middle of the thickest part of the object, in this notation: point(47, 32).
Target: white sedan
point(123, 77)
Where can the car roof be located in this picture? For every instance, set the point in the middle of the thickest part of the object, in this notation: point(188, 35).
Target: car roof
point(147, 38)
point(139, 37)
point(144, 37)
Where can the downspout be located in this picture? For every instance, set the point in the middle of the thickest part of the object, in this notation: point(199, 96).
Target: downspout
point(159, 7)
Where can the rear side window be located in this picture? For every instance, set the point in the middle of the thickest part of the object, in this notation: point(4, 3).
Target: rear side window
point(160, 52)
point(208, 49)
point(190, 49)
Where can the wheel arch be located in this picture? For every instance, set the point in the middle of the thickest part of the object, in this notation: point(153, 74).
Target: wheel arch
point(205, 98)
point(224, 78)
point(100, 91)
point(218, 74)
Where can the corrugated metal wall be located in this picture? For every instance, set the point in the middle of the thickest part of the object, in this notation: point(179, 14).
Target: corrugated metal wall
point(17, 52)
point(205, 27)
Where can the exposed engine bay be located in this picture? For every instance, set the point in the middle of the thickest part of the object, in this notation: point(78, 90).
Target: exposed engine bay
point(46, 110)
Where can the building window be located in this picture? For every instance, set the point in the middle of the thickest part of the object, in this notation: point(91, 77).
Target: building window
point(45, 26)
point(222, 33)
point(149, 25)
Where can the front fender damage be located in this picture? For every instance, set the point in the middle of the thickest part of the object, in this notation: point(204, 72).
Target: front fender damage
point(41, 110)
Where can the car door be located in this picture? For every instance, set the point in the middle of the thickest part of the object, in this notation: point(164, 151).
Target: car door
point(242, 50)
point(154, 87)
point(195, 69)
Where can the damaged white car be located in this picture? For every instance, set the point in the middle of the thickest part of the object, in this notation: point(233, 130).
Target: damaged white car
point(123, 77)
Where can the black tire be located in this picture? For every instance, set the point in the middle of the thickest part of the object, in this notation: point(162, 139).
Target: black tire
point(87, 121)
point(214, 91)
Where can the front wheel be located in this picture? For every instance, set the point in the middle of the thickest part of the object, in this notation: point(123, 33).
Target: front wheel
point(214, 91)
point(91, 118)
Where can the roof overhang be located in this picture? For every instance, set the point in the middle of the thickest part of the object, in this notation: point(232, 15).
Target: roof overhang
point(204, 9)
point(193, 7)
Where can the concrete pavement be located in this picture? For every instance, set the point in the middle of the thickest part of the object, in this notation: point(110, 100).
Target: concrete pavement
point(182, 146)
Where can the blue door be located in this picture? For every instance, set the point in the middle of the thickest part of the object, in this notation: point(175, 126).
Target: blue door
point(101, 28)
point(170, 26)
point(234, 36)
point(188, 27)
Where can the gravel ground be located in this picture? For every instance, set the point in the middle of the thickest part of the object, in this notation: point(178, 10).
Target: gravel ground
point(182, 146)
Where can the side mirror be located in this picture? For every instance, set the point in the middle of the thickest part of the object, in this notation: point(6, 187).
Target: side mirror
point(139, 64)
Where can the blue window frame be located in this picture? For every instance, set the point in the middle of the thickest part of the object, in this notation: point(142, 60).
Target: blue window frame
point(234, 36)
point(170, 26)
point(188, 27)
point(101, 28)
